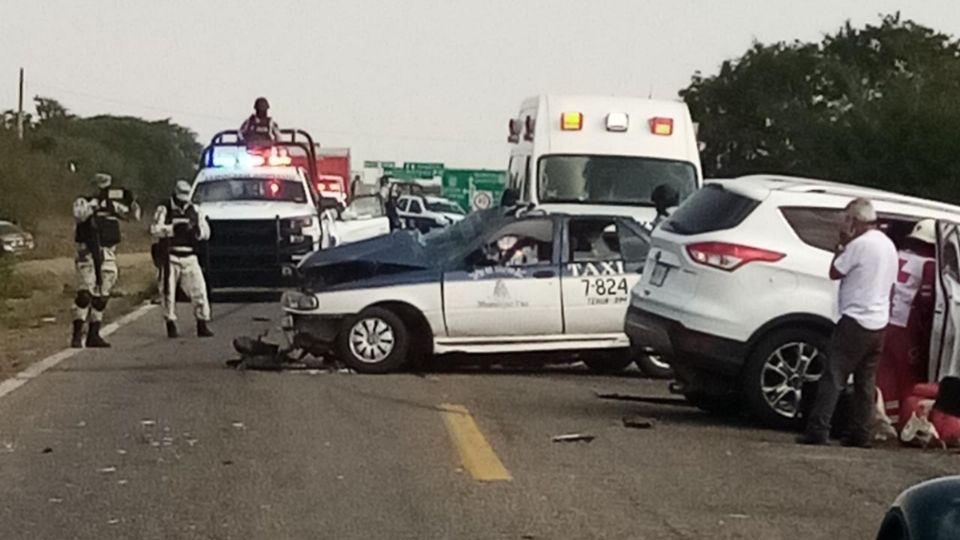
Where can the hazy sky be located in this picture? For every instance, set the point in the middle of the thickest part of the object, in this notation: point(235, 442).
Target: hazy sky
point(414, 80)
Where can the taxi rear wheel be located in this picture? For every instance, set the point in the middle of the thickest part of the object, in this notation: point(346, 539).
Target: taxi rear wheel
point(655, 366)
point(608, 362)
point(375, 341)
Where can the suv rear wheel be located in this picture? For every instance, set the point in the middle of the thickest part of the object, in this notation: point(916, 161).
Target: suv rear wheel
point(781, 367)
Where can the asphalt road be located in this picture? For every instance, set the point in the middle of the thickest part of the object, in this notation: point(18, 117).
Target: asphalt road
point(155, 438)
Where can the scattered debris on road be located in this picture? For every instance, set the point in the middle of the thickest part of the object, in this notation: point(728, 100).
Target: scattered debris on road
point(261, 319)
point(81, 424)
point(239, 425)
point(47, 450)
point(679, 402)
point(226, 462)
point(108, 470)
point(148, 423)
point(55, 500)
point(639, 422)
point(574, 437)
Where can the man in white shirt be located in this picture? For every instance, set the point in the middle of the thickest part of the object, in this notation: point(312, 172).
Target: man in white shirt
point(865, 263)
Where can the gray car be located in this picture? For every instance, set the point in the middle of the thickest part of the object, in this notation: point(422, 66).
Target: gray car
point(13, 239)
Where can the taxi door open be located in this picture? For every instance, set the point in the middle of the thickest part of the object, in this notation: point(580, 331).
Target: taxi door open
point(602, 261)
point(944, 347)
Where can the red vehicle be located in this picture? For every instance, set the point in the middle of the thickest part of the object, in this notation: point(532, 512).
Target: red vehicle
point(333, 173)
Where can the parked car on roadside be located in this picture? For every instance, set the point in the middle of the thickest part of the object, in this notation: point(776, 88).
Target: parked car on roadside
point(426, 212)
point(492, 283)
point(13, 239)
point(736, 289)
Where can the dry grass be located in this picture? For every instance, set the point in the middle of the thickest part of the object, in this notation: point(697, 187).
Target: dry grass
point(36, 321)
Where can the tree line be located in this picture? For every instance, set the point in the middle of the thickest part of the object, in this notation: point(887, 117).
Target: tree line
point(877, 106)
point(42, 174)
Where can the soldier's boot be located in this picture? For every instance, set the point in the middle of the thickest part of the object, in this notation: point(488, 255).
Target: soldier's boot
point(77, 340)
point(93, 337)
point(202, 329)
point(172, 329)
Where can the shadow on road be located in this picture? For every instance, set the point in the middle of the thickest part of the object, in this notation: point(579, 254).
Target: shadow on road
point(246, 297)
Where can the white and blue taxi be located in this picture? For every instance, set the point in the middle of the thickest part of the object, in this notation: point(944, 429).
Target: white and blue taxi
point(496, 282)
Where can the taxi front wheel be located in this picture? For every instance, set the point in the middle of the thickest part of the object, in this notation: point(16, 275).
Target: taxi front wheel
point(375, 341)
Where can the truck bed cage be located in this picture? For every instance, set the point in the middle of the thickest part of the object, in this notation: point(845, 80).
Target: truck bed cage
point(289, 138)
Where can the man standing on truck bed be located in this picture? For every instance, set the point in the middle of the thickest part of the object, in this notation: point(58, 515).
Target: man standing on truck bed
point(259, 128)
point(866, 266)
point(97, 234)
point(179, 228)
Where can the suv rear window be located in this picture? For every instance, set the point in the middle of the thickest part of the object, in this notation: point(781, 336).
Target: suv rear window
point(713, 208)
point(816, 227)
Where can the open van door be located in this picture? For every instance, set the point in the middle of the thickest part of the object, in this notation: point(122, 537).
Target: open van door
point(944, 346)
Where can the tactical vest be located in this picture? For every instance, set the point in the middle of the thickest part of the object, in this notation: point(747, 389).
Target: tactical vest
point(185, 221)
point(103, 227)
point(258, 128)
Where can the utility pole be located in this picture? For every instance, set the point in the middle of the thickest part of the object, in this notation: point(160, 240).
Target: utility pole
point(20, 109)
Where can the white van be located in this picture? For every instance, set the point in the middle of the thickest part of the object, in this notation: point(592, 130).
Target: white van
point(601, 154)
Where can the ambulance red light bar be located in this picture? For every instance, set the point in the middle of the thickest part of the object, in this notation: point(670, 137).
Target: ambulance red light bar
point(660, 125)
point(729, 257)
point(571, 121)
point(515, 129)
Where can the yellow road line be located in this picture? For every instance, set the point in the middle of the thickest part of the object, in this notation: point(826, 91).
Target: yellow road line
point(476, 455)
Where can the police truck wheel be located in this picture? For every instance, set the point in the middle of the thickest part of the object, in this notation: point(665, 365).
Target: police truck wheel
point(375, 341)
point(654, 366)
point(780, 369)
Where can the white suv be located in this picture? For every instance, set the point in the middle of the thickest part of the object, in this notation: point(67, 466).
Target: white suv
point(736, 291)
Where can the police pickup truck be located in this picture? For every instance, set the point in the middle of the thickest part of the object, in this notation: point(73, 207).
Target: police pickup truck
point(262, 206)
point(496, 282)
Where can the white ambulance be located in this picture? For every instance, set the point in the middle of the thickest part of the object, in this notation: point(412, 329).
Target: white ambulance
point(601, 154)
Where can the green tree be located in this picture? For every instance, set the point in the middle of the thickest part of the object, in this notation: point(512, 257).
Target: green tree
point(875, 105)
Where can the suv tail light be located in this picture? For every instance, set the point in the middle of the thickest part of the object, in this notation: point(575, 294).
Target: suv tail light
point(729, 257)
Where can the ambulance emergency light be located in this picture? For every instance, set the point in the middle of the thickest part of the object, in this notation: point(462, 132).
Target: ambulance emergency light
point(618, 122)
point(571, 121)
point(661, 126)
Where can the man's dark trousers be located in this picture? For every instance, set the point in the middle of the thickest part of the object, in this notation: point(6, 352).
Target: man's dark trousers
point(852, 349)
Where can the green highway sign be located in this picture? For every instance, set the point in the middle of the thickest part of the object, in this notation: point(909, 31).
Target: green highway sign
point(379, 164)
point(474, 189)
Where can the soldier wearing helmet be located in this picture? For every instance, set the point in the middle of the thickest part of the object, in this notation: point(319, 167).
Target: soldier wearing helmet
point(178, 228)
point(97, 235)
point(259, 128)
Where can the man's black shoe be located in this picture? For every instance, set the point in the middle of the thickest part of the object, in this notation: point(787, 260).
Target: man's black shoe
point(857, 443)
point(76, 341)
point(812, 440)
point(93, 337)
point(172, 329)
point(203, 330)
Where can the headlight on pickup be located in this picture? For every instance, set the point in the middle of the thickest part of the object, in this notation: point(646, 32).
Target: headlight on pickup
point(301, 222)
point(300, 301)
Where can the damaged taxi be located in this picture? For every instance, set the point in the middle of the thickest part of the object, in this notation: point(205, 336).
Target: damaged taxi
point(497, 282)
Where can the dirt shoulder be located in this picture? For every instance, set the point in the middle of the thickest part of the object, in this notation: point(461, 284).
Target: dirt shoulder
point(36, 322)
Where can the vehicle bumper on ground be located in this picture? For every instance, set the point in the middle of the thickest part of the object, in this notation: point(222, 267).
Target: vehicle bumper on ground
point(313, 331)
point(688, 350)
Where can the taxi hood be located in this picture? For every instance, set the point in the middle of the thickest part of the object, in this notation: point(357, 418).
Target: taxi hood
point(398, 248)
point(394, 253)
